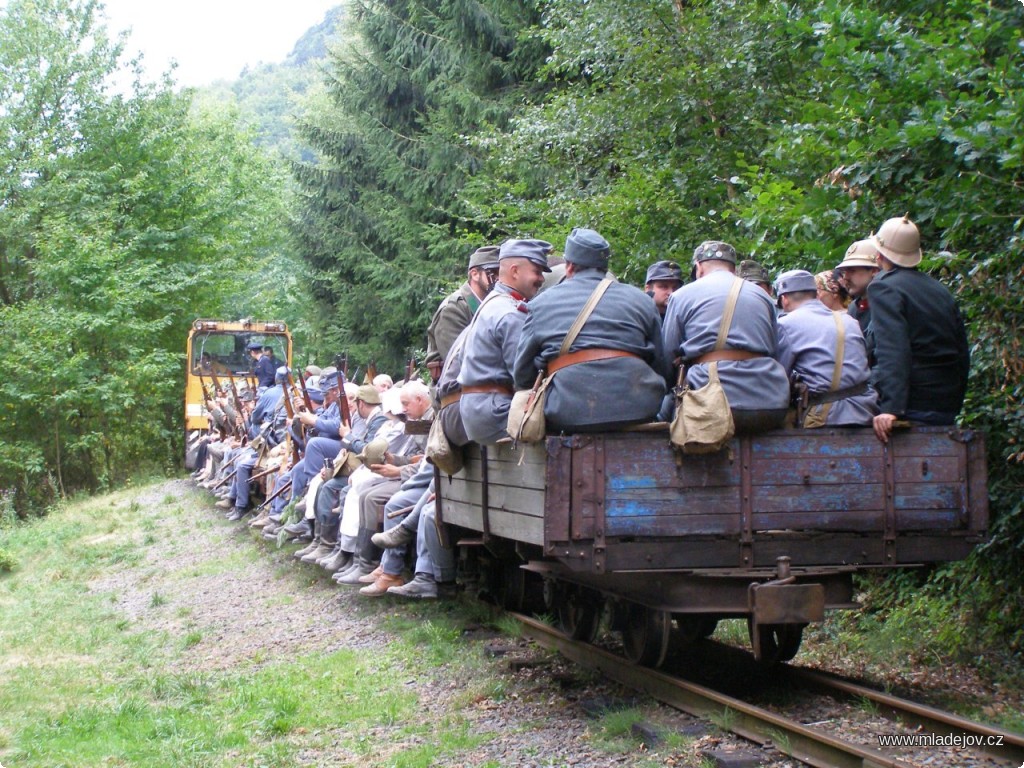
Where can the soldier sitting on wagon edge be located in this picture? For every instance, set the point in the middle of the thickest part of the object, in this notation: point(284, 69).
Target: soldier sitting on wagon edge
point(491, 342)
point(616, 358)
point(809, 345)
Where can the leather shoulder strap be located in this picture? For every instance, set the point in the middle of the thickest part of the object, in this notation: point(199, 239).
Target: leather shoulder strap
point(837, 369)
point(583, 316)
point(730, 309)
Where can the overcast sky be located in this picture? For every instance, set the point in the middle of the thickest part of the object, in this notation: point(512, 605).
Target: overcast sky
point(212, 39)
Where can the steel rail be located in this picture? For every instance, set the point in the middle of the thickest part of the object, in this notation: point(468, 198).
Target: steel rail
point(753, 723)
point(929, 719)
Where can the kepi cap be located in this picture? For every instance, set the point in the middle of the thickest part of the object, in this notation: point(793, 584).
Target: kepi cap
point(535, 250)
point(484, 258)
point(793, 281)
point(254, 346)
point(664, 270)
point(368, 394)
point(586, 248)
point(714, 249)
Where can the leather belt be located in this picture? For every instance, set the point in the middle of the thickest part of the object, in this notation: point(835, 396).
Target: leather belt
point(586, 356)
point(488, 389)
point(726, 354)
point(451, 399)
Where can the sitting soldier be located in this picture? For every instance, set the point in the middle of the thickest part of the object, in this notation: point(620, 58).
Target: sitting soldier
point(754, 383)
point(491, 339)
point(615, 358)
point(825, 351)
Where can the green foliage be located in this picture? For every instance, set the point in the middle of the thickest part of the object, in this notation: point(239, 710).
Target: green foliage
point(381, 226)
point(122, 217)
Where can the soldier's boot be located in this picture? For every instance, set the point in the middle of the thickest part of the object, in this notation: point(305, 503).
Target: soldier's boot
point(338, 562)
point(394, 537)
point(359, 570)
point(225, 503)
point(237, 514)
point(353, 564)
point(312, 545)
point(328, 540)
point(261, 520)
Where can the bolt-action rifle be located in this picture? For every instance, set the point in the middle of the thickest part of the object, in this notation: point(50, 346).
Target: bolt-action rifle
point(208, 398)
point(341, 363)
point(291, 416)
point(286, 486)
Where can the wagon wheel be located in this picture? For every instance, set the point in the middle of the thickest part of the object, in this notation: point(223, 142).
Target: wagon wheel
point(518, 589)
point(579, 612)
point(779, 642)
point(693, 627)
point(645, 635)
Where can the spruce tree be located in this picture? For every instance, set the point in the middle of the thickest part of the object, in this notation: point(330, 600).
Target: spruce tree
point(381, 224)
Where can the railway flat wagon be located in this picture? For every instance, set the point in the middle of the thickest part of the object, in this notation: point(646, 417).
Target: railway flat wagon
point(771, 529)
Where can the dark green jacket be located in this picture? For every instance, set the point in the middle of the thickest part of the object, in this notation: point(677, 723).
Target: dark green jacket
point(921, 350)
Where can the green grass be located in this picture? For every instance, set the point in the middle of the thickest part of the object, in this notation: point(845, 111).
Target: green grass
point(83, 683)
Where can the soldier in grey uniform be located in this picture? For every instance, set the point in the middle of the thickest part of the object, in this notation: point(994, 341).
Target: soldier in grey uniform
point(616, 358)
point(755, 384)
point(486, 375)
point(456, 310)
point(808, 344)
point(663, 279)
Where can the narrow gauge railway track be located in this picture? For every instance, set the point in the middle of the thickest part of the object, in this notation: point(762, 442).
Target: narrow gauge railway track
point(914, 715)
point(759, 725)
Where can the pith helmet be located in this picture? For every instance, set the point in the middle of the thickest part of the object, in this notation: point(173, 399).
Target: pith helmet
point(861, 254)
point(899, 241)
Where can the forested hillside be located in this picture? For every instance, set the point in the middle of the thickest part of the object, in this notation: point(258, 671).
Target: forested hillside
point(269, 95)
point(788, 129)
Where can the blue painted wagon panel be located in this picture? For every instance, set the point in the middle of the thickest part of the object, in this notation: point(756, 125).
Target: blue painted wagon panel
point(807, 443)
point(770, 470)
point(927, 496)
point(824, 498)
point(633, 459)
point(926, 444)
point(937, 469)
point(928, 520)
point(660, 525)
